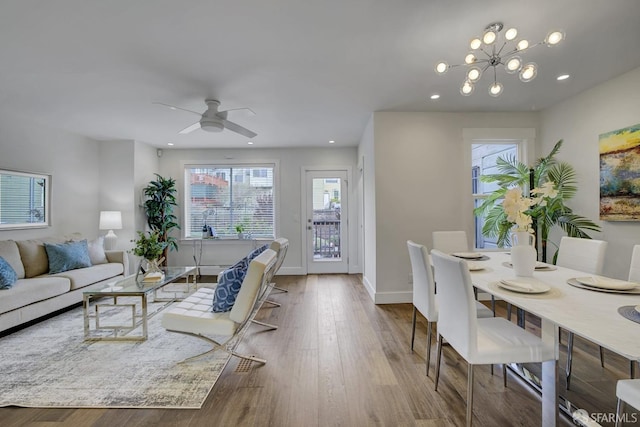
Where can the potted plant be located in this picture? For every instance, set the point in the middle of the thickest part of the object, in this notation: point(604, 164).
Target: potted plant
point(240, 231)
point(161, 199)
point(551, 183)
point(151, 248)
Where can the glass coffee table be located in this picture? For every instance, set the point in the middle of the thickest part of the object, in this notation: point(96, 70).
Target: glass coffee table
point(124, 294)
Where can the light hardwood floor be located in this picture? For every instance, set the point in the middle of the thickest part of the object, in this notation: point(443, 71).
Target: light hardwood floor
point(339, 360)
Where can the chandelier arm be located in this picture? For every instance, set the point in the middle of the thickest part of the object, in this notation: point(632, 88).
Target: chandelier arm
point(500, 50)
point(485, 52)
point(495, 76)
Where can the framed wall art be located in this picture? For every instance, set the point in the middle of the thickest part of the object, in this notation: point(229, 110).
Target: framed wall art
point(620, 174)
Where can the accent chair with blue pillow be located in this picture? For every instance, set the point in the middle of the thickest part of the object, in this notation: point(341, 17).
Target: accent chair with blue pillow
point(229, 283)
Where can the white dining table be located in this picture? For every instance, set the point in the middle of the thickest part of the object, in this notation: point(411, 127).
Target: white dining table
point(589, 314)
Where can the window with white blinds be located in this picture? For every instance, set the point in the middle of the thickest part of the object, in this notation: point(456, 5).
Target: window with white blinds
point(218, 198)
point(23, 200)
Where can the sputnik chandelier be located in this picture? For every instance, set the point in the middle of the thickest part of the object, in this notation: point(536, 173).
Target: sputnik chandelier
point(490, 51)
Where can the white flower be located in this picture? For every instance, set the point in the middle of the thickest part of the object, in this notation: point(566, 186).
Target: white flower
point(515, 206)
point(546, 192)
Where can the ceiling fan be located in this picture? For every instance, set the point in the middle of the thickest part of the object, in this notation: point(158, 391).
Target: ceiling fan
point(213, 120)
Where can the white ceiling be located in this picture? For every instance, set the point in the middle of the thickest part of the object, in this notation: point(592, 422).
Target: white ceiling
point(312, 70)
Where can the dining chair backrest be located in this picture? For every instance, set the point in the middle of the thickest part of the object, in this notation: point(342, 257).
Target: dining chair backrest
point(634, 269)
point(424, 291)
point(585, 255)
point(450, 241)
point(457, 317)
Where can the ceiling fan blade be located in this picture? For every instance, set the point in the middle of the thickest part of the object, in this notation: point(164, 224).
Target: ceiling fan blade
point(173, 107)
point(191, 128)
point(238, 129)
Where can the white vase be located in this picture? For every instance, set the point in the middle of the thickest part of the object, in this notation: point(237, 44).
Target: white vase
point(523, 253)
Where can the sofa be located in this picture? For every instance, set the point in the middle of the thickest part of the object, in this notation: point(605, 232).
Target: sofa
point(37, 292)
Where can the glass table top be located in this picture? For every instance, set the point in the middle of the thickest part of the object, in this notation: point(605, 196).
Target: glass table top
point(129, 285)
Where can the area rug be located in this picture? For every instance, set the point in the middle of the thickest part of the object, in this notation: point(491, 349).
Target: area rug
point(50, 365)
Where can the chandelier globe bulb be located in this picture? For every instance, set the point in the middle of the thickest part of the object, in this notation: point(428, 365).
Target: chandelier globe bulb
point(528, 72)
point(441, 67)
point(467, 88)
point(511, 34)
point(554, 37)
point(475, 44)
point(495, 89)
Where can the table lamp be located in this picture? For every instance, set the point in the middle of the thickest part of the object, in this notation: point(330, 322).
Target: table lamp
point(110, 220)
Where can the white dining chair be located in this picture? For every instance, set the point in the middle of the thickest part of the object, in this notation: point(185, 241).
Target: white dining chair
point(480, 341)
point(634, 267)
point(586, 255)
point(456, 241)
point(627, 391)
point(424, 294)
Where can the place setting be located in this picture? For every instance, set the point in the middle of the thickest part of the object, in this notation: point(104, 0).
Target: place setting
point(540, 266)
point(605, 284)
point(525, 286)
point(631, 312)
point(472, 256)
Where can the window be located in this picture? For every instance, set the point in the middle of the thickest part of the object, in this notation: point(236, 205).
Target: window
point(483, 162)
point(24, 200)
point(214, 201)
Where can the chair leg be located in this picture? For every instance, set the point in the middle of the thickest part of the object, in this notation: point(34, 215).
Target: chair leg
point(273, 303)
point(413, 327)
point(569, 358)
point(632, 369)
point(619, 409)
point(438, 358)
point(601, 356)
point(266, 325)
point(429, 327)
point(504, 374)
point(469, 395)
point(509, 312)
point(493, 305)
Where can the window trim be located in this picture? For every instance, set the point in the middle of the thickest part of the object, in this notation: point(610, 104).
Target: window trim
point(268, 163)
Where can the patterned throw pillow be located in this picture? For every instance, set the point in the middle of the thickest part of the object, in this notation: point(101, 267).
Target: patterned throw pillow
point(8, 275)
point(67, 256)
point(254, 253)
point(229, 282)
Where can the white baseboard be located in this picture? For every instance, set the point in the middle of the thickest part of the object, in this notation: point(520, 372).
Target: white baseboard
point(214, 270)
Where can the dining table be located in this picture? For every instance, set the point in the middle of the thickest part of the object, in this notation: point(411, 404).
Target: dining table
point(589, 312)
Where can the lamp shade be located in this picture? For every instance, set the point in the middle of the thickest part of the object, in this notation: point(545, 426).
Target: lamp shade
point(110, 220)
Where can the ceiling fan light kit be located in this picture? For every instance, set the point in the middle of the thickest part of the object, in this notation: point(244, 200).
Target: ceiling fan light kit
point(491, 50)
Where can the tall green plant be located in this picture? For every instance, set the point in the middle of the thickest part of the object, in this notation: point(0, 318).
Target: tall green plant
point(547, 215)
point(161, 199)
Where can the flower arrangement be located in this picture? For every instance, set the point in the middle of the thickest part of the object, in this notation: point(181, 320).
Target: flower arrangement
point(148, 245)
point(519, 209)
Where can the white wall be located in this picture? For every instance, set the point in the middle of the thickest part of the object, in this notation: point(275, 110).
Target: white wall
point(421, 185)
point(291, 161)
point(72, 161)
point(367, 188)
point(579, 121)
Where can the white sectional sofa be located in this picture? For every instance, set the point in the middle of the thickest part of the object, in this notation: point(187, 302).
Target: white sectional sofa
point(38, 293)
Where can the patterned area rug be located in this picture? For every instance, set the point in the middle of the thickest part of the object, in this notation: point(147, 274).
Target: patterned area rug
point(49, 365)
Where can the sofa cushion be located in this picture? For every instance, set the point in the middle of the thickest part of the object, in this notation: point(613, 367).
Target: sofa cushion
point(96, 251)
point(9, 251)
point(34, 256)
point(28, 291)
point(8, 275)
point(86, 276)
point(67, 256)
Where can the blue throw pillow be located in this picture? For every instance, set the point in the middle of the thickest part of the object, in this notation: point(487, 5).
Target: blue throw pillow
point(8, 275)
point(67, 256)
point(229, 282)
point(254, 253)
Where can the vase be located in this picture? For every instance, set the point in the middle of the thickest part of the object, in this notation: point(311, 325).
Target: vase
point(523, 253)
point(153, 265)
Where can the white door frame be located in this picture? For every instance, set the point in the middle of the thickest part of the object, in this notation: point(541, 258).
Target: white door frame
point(303, 210)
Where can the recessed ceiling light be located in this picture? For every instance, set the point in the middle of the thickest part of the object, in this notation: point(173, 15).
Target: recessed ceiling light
point(562, 77)
point(435, 96)
point(332, 142)
point(250, 142)
point(169, 143)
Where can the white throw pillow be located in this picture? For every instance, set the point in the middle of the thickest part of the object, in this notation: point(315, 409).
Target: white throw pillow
point(96, 251)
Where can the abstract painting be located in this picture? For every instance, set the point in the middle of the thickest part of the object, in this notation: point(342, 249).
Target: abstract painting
point(620, 174)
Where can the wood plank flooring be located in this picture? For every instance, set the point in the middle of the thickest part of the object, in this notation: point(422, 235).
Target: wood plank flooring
point(339, 360)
